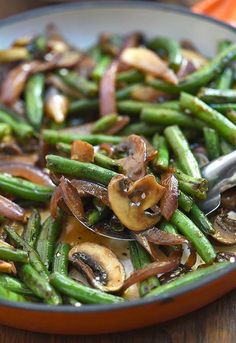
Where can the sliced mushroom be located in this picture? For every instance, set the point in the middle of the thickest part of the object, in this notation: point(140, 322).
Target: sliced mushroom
point(130, 201)
point(228, 199)
point(140, 152)
point(100, 266)
point(225, 227)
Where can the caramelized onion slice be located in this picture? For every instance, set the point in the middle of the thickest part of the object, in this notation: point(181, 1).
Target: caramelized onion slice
point(107, 90)
point(27, 172)
point(169, 201)
point(72, 199)
point(11, 210)
point(152, 269)
point(148, 62)
point(14, 83)
point(160, 237)
point(86, 188)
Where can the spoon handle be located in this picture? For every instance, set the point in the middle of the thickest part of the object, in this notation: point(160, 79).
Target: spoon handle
point(221, 173)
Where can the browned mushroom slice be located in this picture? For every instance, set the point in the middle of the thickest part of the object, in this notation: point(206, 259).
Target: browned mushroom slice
point(228, 199)
point(140, 152)
point(82, 151)
point(130, 201)
point(225, 227)
point(100, 266)
point(225, 256)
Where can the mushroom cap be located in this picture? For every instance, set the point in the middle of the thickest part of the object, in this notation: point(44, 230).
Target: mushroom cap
point(129, 201)
point(103, 269)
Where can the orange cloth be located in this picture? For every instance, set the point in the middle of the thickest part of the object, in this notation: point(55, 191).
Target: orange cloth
point(224, 10)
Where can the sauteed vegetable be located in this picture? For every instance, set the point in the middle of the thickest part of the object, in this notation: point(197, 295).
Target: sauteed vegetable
point(111, 138)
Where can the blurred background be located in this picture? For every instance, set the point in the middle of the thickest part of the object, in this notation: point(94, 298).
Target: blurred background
point(11, 7)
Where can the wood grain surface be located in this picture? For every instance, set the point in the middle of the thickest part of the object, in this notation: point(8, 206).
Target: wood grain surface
point(215, 323)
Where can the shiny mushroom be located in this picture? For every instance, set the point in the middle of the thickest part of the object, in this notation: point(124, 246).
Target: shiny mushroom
point(225, 227)
point(100, 266)
point(130, 201)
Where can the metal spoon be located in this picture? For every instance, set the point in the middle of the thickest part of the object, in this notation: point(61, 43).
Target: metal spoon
point(221, 175)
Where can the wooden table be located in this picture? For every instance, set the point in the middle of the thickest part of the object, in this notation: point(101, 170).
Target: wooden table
point(212, 324)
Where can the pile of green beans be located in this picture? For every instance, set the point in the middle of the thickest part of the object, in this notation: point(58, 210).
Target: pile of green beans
point(155, 127)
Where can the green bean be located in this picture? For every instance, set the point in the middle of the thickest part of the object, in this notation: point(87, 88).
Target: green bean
point(170, 117)
point(53, 137)
point(231, 115)
point(126, 92)
point(161, 161)
point(130, 76)
point(133, 107)
point(225, 147)
point(212, 143)
point(223, 44)
point(99, 159)
point(83, 106)
point(182, 151)
point(71, 301)
point(140, 259)
point(34, 258)
point(40, 286)
point(104, 123)
point(78, 169)
point(189, 278)
point(5, 130)
point(141, 129)
point(20, 128)
point(199, 78)
point(168, 227)
point(101, 67)
point(224, 108)
point(95, 216)
point(225, 80)
point(47, 239)
point(32, 229)
point(105, 161)
point(60, 260)
point(213, 118)
point(200, 219)
point(64, 147)
point(185, 202)
point(34, 99)
point(24, 189)
point(6, 294)
point(38, 46)
point(14, 285)
point(82, 293)
point(170, 47)
point(199, 183)
point(217, 96)
point(192, 189)
point(9, 253)
point(194, 235)
point(87, 105)
point(78, 82)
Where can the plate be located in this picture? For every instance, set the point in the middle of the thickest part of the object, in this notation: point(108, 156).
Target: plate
point(81, 23)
